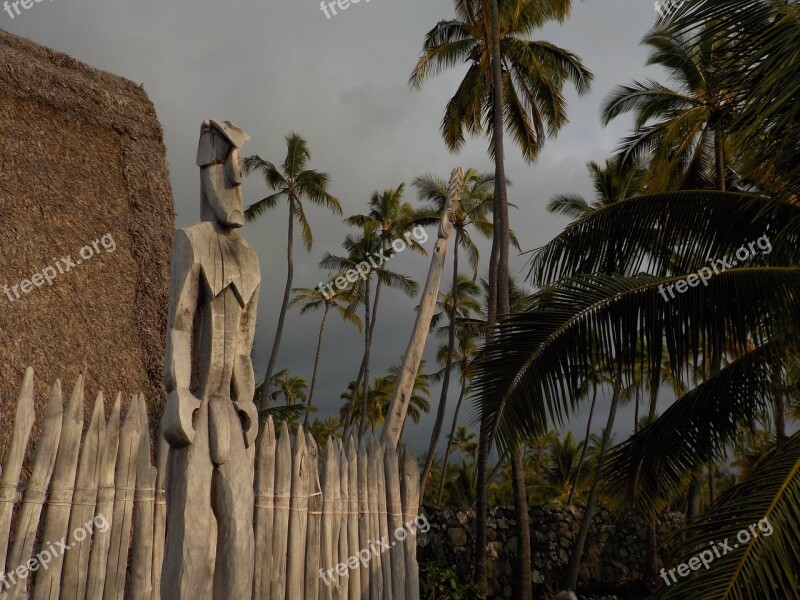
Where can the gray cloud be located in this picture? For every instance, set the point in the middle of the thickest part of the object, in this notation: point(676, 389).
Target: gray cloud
point(280, 66)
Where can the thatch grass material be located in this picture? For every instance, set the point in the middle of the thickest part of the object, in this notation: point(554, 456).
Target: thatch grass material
point(81, 155)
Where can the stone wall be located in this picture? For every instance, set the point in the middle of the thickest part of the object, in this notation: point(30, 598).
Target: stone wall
point(616, 547)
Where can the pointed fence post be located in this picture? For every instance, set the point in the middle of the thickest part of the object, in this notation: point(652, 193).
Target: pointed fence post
point(159, 513)
point(355, 588)
point(280, 530)
point(59, 501)
point(298, 519)
point(394, 513)
point(125, 484)
point(313, 532)
point(84, 501)
point(101, 540)
point(27, 521)
point(344, 504)
point(141, 575)
point(375, 566)
point(264, 510)
point(410, 493)
point(9, 484)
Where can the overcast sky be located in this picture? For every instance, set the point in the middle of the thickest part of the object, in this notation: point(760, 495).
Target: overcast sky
point(277, 66)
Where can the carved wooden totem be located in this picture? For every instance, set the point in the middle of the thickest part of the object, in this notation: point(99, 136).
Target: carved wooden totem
point(210, 420)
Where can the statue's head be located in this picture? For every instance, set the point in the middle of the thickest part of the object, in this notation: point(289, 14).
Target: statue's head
point(221, 172)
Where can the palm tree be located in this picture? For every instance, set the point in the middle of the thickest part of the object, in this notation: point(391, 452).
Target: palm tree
point(760, 70)
point(464, 441)
point(292, 388)
point(294, 182)
point(322, 430)
point(533, 364)
point(472, 212)
point(461, 358)
point(612, 183)
point(533, 73)
point(563, 460)
point(594, 379)
point(380, 396)
point(691, 122)
point(517, 84)
point(460, 303)
point(389, 219)
point(393, 218)
point(345, 304)
point(293, 391)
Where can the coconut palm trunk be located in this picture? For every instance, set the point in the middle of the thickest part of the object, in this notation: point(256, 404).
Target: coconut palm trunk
point(449, 446)
point(348, 424)
point(273, 357)
point(316, 366)
point(584, 449)
point(524, 587)
point(451, 343)
point(570, 581)
point(362, 427)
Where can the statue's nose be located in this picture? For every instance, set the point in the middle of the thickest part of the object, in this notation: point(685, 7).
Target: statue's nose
point(233, 167)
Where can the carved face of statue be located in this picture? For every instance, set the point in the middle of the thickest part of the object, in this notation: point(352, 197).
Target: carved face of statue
point(222, 190)
point(219, 160)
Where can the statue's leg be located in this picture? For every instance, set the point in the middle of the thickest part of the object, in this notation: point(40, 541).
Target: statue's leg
point(233, 496)
point(191, 526)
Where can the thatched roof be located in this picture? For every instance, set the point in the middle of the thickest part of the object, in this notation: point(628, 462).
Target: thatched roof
point(81, 155)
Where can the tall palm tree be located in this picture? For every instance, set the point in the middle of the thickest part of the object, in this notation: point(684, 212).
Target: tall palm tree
point(518, 84)
point(612, 183)
point(761, 71)
point(345, 304)
point(460, 303)
point(533, 366)
point(393, 219)
point(461, 358)
point(532, 73)
point(682, 130)
point(296, 183)
point(369, 244)
point(464, 441)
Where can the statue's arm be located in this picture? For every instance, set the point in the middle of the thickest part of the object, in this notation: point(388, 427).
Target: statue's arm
point(243, 375)
point(183, 298)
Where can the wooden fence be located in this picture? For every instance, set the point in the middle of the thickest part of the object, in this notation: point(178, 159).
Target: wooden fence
point(90, 520)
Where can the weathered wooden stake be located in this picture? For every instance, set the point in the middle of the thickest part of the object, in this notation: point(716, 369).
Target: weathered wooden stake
point(31, 510)
point(59, 499)
point(9, 494)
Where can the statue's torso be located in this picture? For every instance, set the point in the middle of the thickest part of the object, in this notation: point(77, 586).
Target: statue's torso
point(228, 272)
